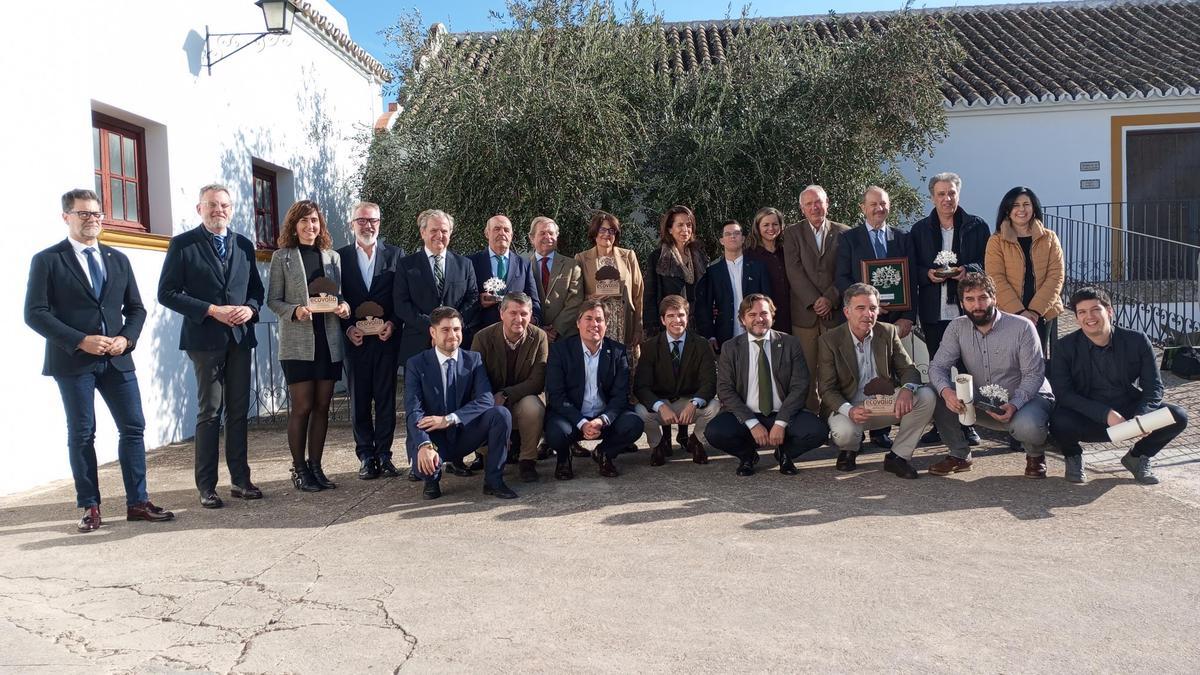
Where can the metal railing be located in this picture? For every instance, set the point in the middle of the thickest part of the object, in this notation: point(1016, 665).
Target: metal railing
point(269, 402)
point(1145, 255)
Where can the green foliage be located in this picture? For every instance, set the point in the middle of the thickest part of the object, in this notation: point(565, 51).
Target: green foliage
point(571, 107)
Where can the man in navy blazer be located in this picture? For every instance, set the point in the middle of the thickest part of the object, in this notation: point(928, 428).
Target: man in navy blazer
point(83, 298)
point(430, 278)
point(450, 411)
point(499, 260)
point(210, 276)
point(369, 275)
point(718, 297)
point(587, 394)
point(874, 240)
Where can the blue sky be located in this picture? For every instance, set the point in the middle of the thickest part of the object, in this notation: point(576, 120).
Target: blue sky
point(368, 17)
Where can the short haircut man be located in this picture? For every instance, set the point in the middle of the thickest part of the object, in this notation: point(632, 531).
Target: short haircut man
point(369, 276)
point(999, 349)
point(499, 261)
point(210, 276)
point(587, 394)
point(450, 409)
point(762, 380)
point(1093, 372)
point(854, 360)
point(676, 383)
point(727, 281)
point(514, 355)
point(83, 298)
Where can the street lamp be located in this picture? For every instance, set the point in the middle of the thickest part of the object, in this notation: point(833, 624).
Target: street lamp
point(278, 15)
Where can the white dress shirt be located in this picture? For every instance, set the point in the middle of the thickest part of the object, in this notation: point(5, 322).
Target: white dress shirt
point(735, 280)
point(949, 308)
point(429, 256)
point(442, 359)
point(83, 258)
point(698, 402)
point(819, 234)
point(366, 262)
point(752, 382)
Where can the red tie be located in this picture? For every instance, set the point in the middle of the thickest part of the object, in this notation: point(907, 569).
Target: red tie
point(545, 272)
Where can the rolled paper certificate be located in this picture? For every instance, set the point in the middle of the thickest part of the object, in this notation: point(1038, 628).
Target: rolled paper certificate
point(1141, 425)
point(964, 388)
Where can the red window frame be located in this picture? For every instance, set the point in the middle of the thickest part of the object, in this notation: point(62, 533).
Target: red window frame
point(266, 207)
point(121, 212)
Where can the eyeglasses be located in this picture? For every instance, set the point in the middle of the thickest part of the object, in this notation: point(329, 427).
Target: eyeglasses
point(608, 230)
point(218, 205)
point(88, 215)
point(366, 221)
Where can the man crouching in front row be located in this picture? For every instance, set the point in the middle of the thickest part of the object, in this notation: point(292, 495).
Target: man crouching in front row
point(849, 358)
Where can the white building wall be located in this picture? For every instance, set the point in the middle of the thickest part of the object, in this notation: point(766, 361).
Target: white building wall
point(295, 103)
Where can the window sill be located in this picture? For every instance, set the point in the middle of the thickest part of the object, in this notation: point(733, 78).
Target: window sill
point(142, 240)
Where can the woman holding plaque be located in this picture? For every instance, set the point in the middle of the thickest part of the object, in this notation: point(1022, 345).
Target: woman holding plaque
point(305, 293)
point(765, 244)
point(611, 275)
point(675, 267)
point(1025, 261)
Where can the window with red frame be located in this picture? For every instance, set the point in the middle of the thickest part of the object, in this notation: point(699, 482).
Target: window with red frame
point(266, 209)
point(119, 162)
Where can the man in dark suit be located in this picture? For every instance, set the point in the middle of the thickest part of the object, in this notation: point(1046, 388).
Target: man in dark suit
point(429, 278)
point(762, 382)
point(558, 280)
point(210, 276)
point(676, 382)
point(499, 261)
point(728, 280)
point(587, 393)
point(947, 228)
point(369, 275)
point(1092, 373)
point(514, 355)
point(450, 409)
point(875, 240)
point(83, 298)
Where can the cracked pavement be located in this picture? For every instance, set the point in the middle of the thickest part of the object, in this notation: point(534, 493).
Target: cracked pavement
point(665, 569)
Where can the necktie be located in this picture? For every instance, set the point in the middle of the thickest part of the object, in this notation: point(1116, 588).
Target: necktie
point(501, 266)
point(880, 243)
point(439, 275)
point(219, 246)
point(95, 272)
point(766, 398)
point(676, 355)
point(545, 273)
point(451, 388)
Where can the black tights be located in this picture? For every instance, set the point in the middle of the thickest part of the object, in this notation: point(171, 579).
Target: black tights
point(309, 419)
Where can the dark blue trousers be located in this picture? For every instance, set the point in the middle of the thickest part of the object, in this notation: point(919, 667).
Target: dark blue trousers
point(623, 431)
point(120, 393)
point(1069, 428)
point(491, 429)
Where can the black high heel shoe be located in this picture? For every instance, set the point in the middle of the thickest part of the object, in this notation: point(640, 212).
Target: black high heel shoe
point(304, 480)
point(319, 476)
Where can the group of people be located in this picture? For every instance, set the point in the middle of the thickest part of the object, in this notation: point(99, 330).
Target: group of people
point(779, 344)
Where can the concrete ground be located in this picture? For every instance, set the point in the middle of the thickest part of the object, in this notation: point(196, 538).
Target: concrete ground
point(675, 568)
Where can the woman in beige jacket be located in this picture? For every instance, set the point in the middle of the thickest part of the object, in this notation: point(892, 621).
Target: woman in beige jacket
point(1025, 261)
point(310, 345)
point(623, 311)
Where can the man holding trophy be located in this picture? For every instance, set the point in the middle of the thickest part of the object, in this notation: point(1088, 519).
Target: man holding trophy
point(1093, 371)
point(1003, 386)
point(859, 365)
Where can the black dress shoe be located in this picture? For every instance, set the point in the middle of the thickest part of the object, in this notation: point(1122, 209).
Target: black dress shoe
point(666, 442)
point(544, 452)
point(304, 480)
point(386, 468)
point(210, 500)
point(931, 437)
point(608, 469)
point(248, 491)
point(786, 466)
point(681, 436)
point(846, 460)
point(433, 489)
point(369, 470)
point(882, 439)
point(457, 468)
point(745, 467)
point(658, 454)
point(972, 435)
point(319, 475)
point(578, 451)
point(564, 471)
point(499, 490)
point(527, 471)
point(896, 464)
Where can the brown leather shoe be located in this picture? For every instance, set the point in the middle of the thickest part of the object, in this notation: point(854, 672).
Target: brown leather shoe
point(696, 448)
point(90, 520)
point(527, 470)
point(149, 512)
point(950, 465)
point(658, 454)
point(578, 451)
point(1035, 466)
point(608, 469)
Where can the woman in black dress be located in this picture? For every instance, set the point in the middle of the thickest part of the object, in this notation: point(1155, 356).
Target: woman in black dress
point(675, 267)
point(310, 346)
point(765, 244)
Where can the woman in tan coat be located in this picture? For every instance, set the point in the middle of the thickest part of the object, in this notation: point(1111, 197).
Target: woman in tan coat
point(623, 308)
point(1025, 261)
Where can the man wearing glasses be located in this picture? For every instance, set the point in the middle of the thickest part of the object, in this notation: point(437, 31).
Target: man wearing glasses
point(729, 279)
point(368, 275)
point(83, 298)
point(210, 277)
